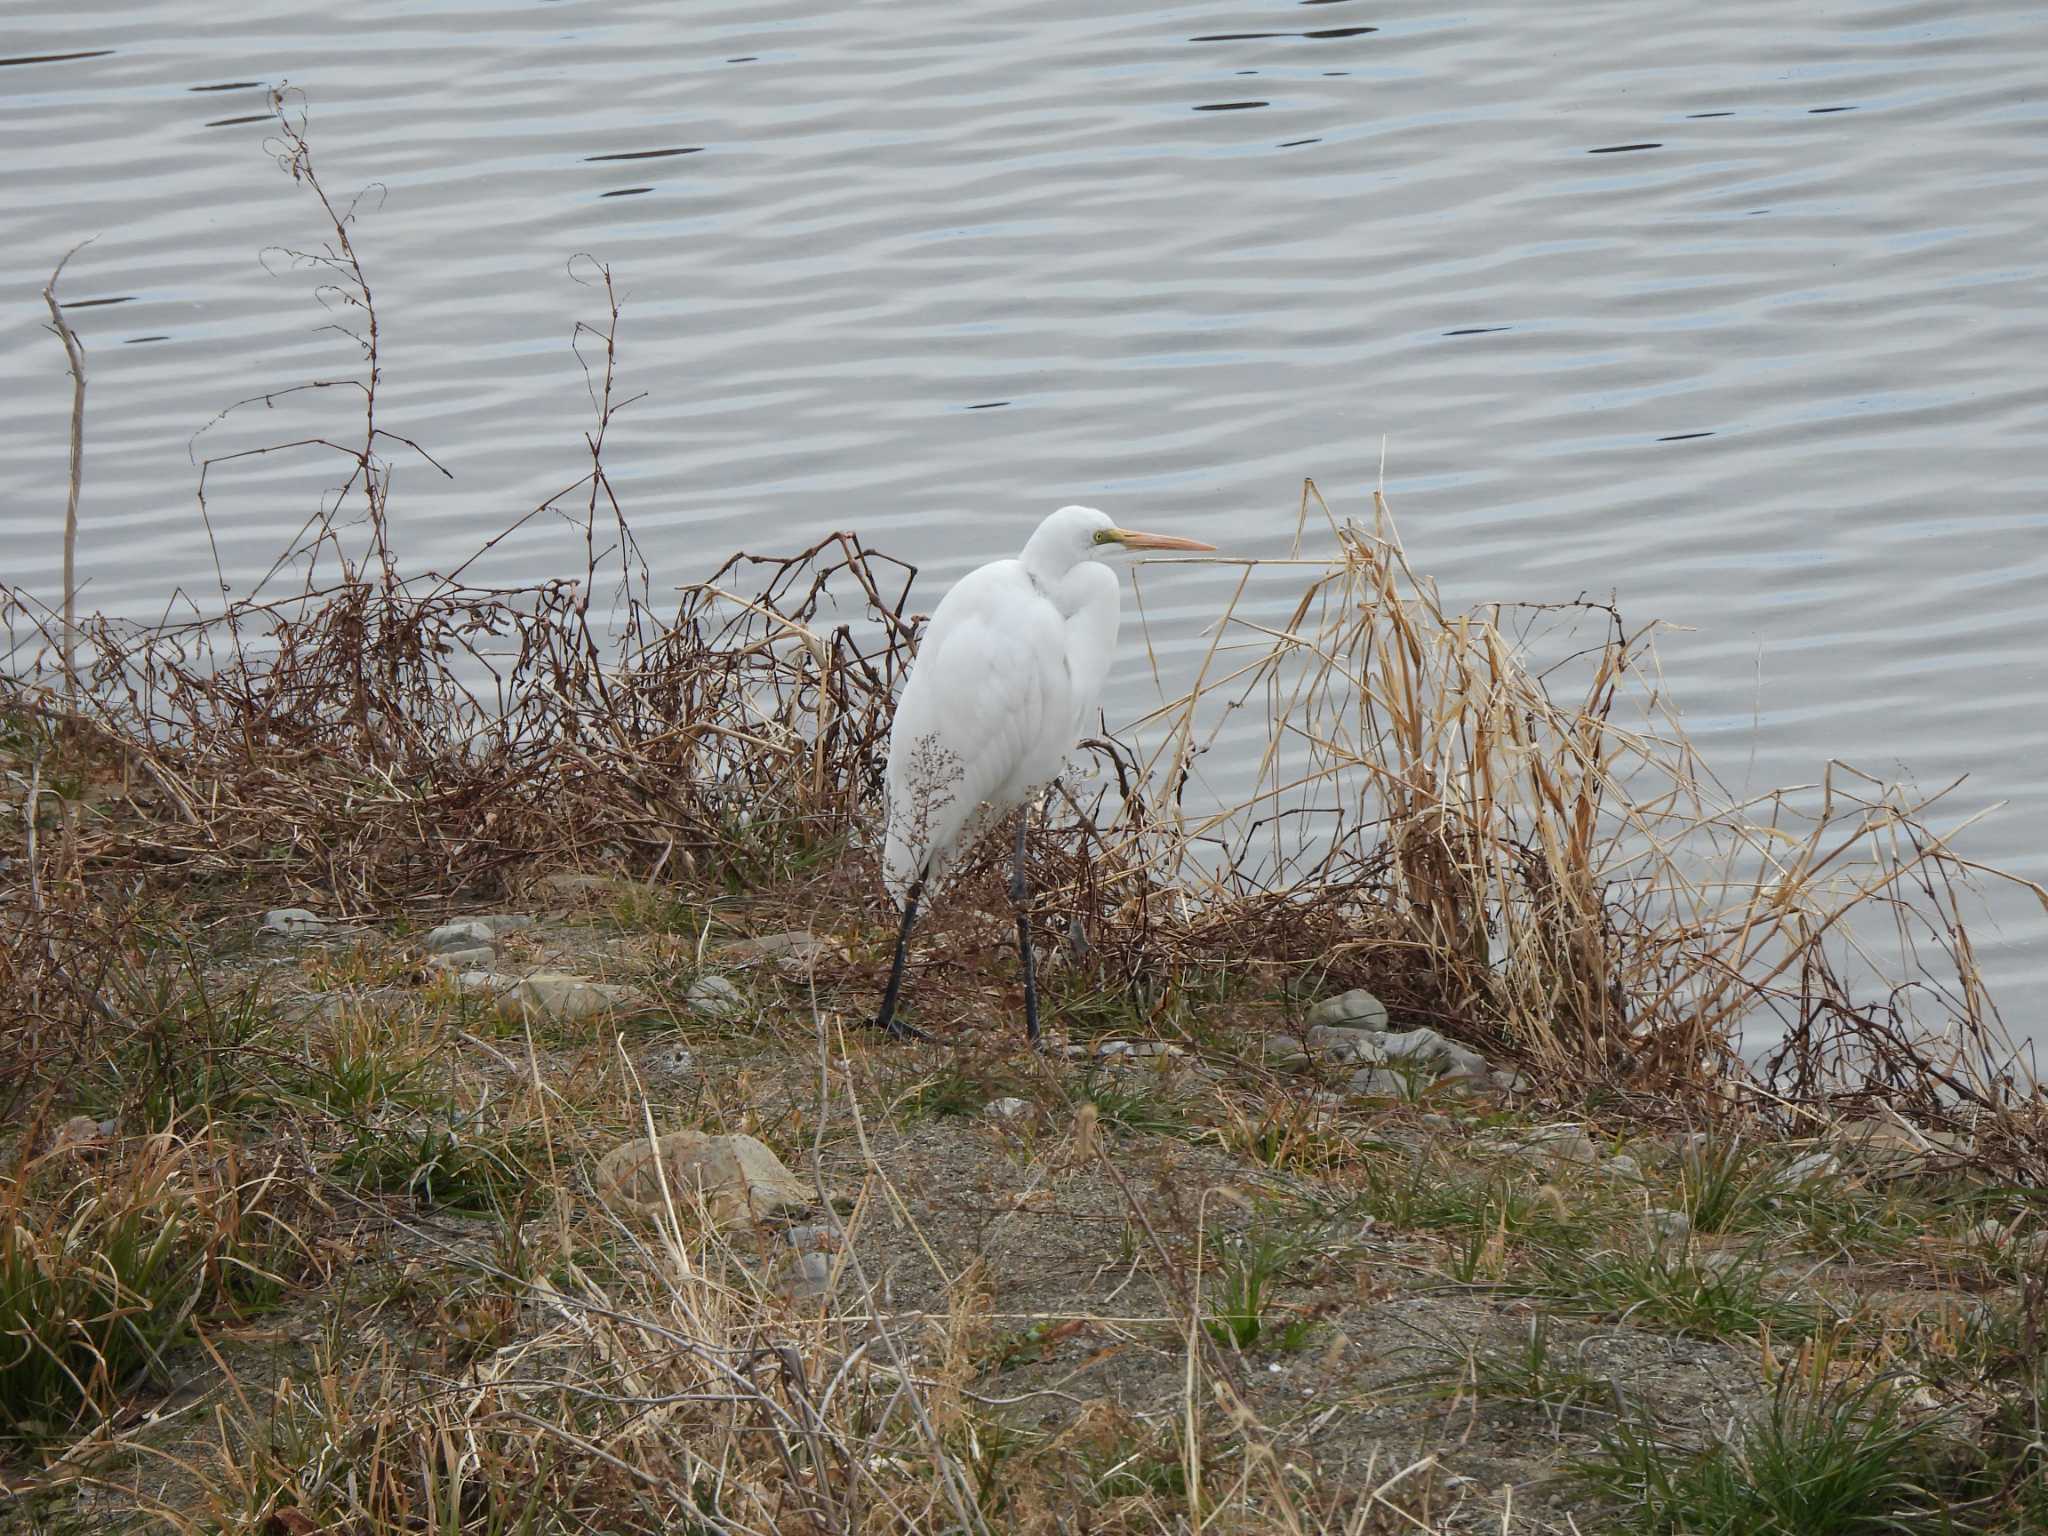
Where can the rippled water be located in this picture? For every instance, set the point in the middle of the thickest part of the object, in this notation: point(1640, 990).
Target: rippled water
point(1734, 310)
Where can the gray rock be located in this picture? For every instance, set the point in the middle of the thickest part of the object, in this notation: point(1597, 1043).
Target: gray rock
point(1288, 1052)
point(1342, 1042)
point(1462, 1085)
point(811, 1239)
point(1559, 1143)
point(479, 958)
point(552, 996)
point(1381, 1083)
point(1427, 1048)
point(1815, 1165)
point(794, 950)
point(1357, 1009)
point(1422, 1049)
point(292, 922)
point(1007, 1108)
point(1622, 1166)
point(484, 983)
point(1508, 1081)
point(714, 997)
point(1135, 1049)
point(739, 1178)
point(812, 1276)
point(469, 933)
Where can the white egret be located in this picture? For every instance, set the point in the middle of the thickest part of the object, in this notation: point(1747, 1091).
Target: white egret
point(1005, 681)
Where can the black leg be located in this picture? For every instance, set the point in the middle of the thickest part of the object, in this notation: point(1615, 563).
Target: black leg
point(1020, 898)
point(886, 1018)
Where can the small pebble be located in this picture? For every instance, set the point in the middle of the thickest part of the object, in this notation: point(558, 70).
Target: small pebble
point(1007, 1109)
point(292, 922)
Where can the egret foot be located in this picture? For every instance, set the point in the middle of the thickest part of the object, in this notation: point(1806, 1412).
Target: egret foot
point(896, 1029)
point(885, 1017)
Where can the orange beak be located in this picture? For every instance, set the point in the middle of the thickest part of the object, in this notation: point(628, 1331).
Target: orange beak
point(1131, 539)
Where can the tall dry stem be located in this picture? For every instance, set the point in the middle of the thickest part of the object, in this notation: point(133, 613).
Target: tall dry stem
point(74, 352)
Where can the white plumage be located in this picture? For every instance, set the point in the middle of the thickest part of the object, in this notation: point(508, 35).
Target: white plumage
point(1006, 680)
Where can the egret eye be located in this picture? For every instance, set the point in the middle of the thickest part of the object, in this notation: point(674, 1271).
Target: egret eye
point(1107, 535)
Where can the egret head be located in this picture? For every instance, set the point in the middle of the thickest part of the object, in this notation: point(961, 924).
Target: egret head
point(1074, 534)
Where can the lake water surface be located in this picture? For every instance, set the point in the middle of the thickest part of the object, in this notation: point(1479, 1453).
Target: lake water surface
point(1733, 310)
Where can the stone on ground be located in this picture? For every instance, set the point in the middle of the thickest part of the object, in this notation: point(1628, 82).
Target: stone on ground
point(469, 933)
point(1380, 1083)
point(292, 922)
point(1287, 1052)
point(555, 997)
point(714, 997)
point(1814, 1165)
point(1356, 1009)
point(740, 1179)
point(1421, 1049)
point(483, 983)
point(796, 950)
point(1558, 1144)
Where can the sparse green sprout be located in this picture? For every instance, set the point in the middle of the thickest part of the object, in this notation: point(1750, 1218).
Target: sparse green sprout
point(1240, 1293)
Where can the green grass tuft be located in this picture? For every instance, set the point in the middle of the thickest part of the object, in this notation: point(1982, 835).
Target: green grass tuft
point(1830, 1460)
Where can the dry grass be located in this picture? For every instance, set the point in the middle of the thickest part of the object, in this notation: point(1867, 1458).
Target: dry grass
point(1535, 854)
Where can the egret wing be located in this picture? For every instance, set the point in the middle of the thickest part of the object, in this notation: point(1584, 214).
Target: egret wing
point(989, 701)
